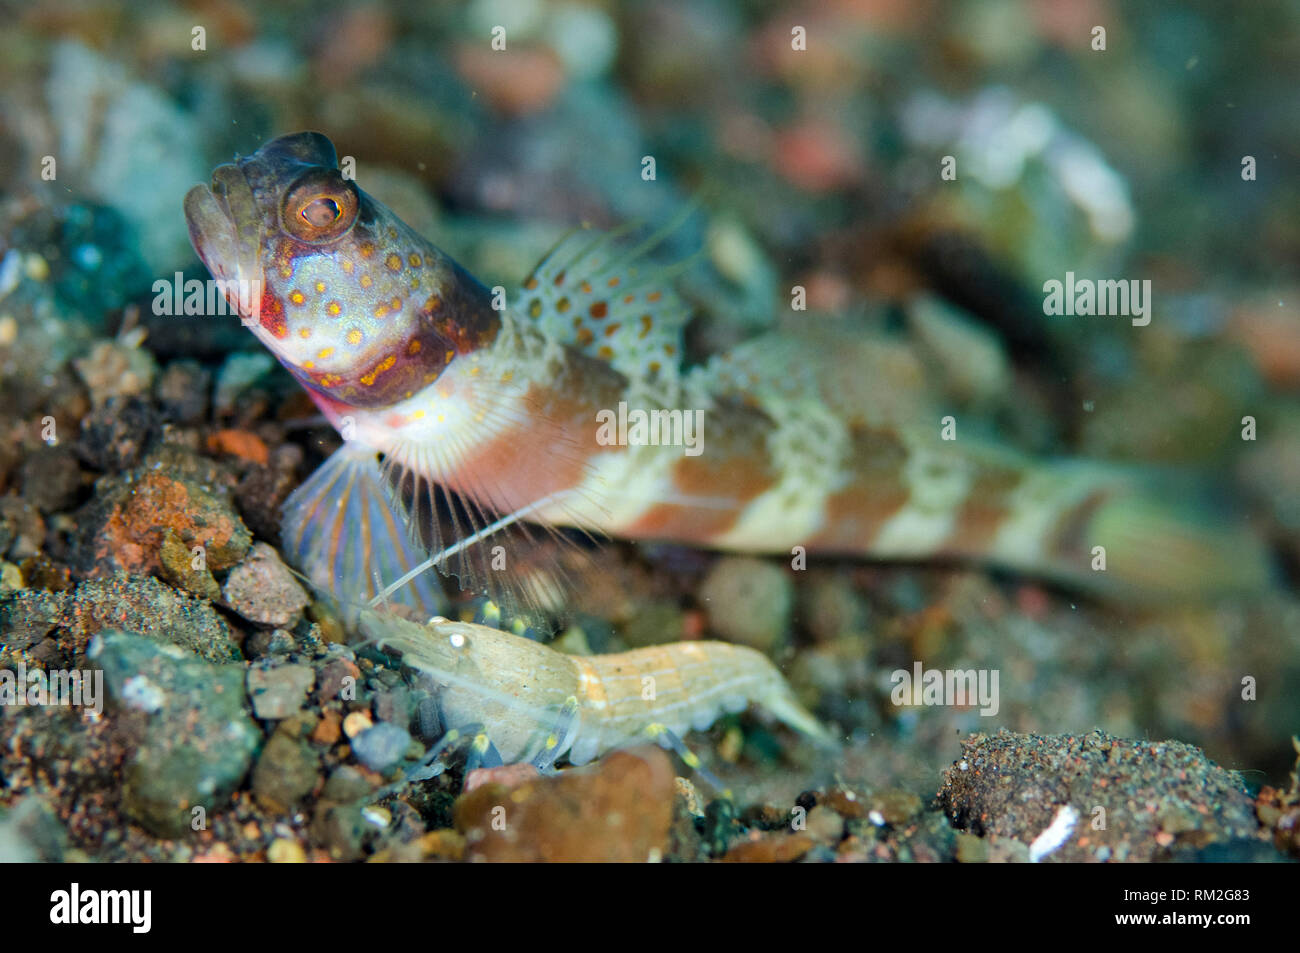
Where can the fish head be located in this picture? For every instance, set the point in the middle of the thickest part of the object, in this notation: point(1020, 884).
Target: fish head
point(360, 308)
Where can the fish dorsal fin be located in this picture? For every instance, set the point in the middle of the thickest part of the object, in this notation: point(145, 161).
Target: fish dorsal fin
point(605, 296)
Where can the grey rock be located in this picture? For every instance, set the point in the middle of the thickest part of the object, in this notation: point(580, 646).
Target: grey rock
point(198, 739)
point(286, 772)
point(381, 747)
point(281, 691)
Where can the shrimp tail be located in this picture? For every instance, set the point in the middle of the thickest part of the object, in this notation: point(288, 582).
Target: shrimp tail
point(782, 706)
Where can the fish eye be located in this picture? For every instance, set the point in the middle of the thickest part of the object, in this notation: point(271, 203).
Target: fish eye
point(320, 207)
point(321, 212)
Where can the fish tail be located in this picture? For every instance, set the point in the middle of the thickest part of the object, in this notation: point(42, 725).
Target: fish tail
point(1134, 541)
point(1104, 530)
point(1089, 526)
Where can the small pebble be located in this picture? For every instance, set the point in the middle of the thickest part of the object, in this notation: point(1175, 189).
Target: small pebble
point(281, 691)
point(285, 773)
point(117, 368)
point(355, 723)
point(748, 601)
point(263, 590)
point(116, 433)
point(285, 851)
point(381, 747)
point(825, 825)
point(51, 478)
point(182, 391)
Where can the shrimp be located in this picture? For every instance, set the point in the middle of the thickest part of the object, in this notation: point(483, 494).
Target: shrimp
point(518, 700)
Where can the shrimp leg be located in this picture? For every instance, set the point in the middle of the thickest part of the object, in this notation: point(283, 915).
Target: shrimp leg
point(561, 736)
point(432, 765)
point(666, 738)
point(482, 753)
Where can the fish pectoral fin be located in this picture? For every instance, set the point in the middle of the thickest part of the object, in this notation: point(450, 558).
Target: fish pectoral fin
point(347, 534)
point(528, 571)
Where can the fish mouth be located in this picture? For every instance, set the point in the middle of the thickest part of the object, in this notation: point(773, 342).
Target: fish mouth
point(225, 225)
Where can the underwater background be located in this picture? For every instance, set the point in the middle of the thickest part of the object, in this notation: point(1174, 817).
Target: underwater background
point(918, 170)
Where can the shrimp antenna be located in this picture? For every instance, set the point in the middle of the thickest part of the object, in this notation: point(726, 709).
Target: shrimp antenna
point(477, 537)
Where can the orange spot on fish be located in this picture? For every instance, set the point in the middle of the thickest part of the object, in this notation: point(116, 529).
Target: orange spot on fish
point(646, 323)
point(599, 310)
point(654, 296)
point(325, 354)
point(354, 336)
point(296, 297)
point(304, 333)
point(586, 287)
point(367, 249)
point(394, 262)
point(334, 309)
point(559, 279)
point(413, 347)
point(415, 260)
point(530, 284)
point(612, 329)
point(628, 299)
point(562, 305)
point(320, 287)
point(366, 281)
point(378, 369)
point(613, 282)
point(606, 352)
point(585, 336)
